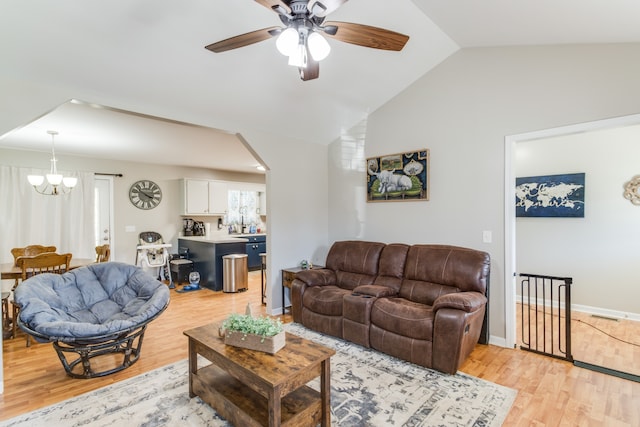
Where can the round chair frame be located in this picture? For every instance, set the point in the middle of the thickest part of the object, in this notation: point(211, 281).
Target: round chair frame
point(128, 342)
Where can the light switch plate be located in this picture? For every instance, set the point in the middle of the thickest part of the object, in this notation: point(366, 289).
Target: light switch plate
point(487, 236)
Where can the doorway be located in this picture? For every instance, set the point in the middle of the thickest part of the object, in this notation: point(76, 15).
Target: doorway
point(104, 212)
point(597, 251)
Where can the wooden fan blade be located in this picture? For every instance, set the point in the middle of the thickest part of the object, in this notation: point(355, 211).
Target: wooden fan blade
point(243, 40)
point(271, 4)
point(367, 36)
point(322, 8)
point(312, 71)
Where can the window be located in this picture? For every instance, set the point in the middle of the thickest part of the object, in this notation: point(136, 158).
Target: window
point(243, 206)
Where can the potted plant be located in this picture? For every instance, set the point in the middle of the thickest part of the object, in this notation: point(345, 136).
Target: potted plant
point(255, 333)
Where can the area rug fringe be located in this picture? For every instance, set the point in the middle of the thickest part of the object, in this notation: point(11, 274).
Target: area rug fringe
point(368, 388)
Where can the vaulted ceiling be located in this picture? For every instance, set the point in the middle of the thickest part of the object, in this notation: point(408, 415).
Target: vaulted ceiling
point(153, 50)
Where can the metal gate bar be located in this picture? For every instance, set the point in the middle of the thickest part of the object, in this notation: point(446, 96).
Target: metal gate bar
point(549, 297)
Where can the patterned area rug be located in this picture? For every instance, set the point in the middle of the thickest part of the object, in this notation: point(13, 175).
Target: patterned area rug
point(367, 389)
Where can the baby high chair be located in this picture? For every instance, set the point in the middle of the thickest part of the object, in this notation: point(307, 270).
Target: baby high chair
point(153, 252)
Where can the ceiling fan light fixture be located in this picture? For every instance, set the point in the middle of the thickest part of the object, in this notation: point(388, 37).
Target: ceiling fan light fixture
point(287, 41)
point(299, 57)
point(318, 46)
point(303, 35)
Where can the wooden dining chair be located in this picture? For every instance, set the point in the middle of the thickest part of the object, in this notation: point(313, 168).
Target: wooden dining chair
point(103, 253)
point(30, 250)
point(46, 262)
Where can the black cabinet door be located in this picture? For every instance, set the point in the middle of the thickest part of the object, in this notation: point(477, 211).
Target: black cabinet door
point(253, 255)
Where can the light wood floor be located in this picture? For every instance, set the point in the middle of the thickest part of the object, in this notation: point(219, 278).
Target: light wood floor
point(550, 392)
point(601, 341)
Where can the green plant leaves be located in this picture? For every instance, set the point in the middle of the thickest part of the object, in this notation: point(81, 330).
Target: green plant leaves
point(263, 326)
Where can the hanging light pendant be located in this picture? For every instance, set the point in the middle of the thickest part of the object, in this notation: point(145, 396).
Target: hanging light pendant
point(56, 183)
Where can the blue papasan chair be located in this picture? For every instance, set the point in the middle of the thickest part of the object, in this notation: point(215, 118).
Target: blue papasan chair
point(102, 309)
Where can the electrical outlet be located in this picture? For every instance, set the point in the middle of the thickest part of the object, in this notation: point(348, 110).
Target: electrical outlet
point(129, 228)
point(487, 236)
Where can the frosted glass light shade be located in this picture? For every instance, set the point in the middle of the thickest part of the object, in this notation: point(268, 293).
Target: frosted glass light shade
point(299, 56)
point(54, 178)
point(35, 180)
point(318, 46)
point(70, 181)
point(287, 41)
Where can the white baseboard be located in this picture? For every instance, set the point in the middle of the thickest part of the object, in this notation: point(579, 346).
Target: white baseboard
point(598, 311)
point(497, 341)
point(616, 314)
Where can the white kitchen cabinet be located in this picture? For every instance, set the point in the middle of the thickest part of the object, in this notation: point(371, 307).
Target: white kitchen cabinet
point(218, 197)
point(196, 196)
point(205, 197)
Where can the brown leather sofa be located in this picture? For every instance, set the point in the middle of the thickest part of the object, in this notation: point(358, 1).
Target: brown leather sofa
point(423, 303)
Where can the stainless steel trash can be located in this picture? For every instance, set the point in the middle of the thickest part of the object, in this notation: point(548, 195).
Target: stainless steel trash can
point(235, 273)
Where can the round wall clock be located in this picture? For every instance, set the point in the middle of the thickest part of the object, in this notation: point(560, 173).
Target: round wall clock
point(145, 194)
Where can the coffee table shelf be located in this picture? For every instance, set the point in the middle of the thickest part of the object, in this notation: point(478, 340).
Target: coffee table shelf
point(242, 406)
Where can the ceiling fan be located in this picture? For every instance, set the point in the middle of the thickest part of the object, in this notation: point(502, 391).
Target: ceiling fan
point(301, 38)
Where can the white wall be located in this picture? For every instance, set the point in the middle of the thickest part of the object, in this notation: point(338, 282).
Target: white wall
point(599, 251)
point(348, 189)
point(462, 111)
point(297, 205)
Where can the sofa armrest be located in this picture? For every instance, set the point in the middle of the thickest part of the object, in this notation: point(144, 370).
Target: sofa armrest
point(455, 334)
point(465, 301)
point(317, 277)
point(375, 291)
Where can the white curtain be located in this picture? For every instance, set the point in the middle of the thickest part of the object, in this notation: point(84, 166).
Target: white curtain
point(28, 218)
point(242, 207)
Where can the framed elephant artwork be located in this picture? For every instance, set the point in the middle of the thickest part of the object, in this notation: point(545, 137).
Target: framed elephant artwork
point(398, 177)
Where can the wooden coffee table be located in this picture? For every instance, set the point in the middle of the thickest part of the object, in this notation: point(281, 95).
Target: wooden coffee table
point(252, 388)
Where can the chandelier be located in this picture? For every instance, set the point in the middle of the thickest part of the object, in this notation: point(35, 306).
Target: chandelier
point(56, 183)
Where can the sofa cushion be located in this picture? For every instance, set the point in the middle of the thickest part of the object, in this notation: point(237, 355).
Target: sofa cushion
point(375, 291)
point(355, 262)
point(350, 281)
point(403, 317)
point(423, 292)
point(325, 300)
point(444, 269)
point(391, 266)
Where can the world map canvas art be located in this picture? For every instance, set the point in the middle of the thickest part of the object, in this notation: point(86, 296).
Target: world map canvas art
point(550, 196)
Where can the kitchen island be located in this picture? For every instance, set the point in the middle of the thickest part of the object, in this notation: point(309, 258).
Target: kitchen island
point(207, 252)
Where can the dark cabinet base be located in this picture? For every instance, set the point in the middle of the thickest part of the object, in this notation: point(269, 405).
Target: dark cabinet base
point(257, 245)
point(207, 259)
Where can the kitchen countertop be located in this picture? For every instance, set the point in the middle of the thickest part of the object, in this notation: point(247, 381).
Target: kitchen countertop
point(231, 238)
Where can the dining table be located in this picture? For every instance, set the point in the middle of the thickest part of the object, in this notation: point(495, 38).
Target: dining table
point(9, 270)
